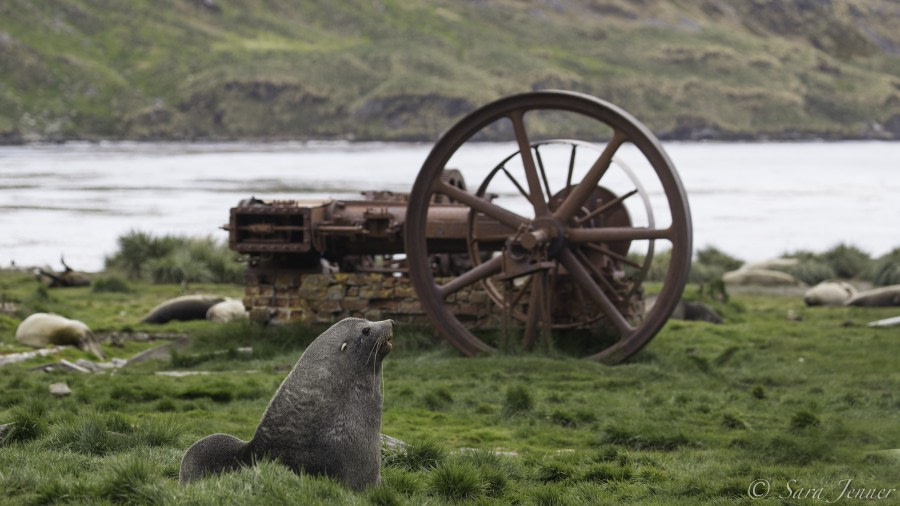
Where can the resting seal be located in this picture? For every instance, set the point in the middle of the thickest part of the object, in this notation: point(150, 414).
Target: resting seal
point(829, 293)
point(184, 308)
point(226, 311)
point(877, 297)
point(42, 329)
point(325, 418)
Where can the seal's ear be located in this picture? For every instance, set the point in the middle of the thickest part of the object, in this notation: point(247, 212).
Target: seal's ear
point(343, 346)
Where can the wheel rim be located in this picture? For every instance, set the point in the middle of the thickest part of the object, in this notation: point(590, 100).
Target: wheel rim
point(551, 239)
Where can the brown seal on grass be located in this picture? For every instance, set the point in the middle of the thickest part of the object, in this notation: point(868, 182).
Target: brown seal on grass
point(325, 417)
point(184, 308)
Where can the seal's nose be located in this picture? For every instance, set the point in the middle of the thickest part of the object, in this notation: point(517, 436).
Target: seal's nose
point(393, 323)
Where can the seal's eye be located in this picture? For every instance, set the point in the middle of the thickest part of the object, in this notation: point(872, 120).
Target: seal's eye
point(365, 331)
point(343, 346)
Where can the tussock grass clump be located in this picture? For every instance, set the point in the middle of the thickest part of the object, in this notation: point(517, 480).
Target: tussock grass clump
point(555, 470)
point(26, 423)
point(174, 259)
point(847, 261)
point(644, 439)
point(160, 432)
point(93, 434)
point(133, 479)
point(383, 496)
point(886, 270)
point(518, 400)
point(732, 421)
point(402, 480)
point(421, 454)
point(803, 420)
point(456, 480)
point(709, 264)
point(811, 272)
point(604, 472)
point(110, 283)
point(437, 399)
point(549, 494)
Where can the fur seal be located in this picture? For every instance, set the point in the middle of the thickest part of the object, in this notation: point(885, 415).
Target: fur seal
point(325, 418)
point(754, 276)
point(42, 329)
point(829, 293)
point(226, 311)
point(883, 296)
point(186, 307)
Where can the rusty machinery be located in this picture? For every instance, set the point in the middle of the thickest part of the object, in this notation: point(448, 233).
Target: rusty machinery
point(561, 233)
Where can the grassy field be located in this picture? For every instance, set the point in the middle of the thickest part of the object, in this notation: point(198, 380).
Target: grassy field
point(699, 416)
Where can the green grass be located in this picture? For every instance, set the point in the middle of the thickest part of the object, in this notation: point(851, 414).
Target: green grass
point(696, 417)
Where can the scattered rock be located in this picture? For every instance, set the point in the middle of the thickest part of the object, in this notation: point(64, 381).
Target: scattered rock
point(829, 293)
point(182, 374)
point(697, 311)
point(163, 352)
point(60, 389)
point(689, 310)
point(74, 367)
point(12, 358)
point(392, 443)
point(887, 322)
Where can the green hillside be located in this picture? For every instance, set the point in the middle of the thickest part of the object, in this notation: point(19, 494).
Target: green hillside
point(407, 69)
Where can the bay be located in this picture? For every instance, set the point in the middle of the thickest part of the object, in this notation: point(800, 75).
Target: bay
point(752, 200)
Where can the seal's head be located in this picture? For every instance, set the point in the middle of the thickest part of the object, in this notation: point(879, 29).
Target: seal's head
point(358, 342)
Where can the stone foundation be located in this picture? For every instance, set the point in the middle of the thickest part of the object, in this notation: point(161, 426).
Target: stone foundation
point(287, 296)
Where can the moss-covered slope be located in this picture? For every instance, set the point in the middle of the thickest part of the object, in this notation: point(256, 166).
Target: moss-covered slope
point(391, 69)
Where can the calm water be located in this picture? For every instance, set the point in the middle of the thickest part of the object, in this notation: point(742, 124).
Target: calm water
point(754, 201)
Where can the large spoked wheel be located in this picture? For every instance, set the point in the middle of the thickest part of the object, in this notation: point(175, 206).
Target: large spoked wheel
point(557, 242)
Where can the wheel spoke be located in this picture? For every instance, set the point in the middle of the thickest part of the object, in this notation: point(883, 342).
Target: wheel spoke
point(522, 289)
point(604, 207)
point(535, 308)
point(540, 164)
point(471, 276)
point(516, 183)
point(608, 252)
point(508, 218)
point(571, 169)
point(531, 175)
point(596, 272)
point(583, 278)
point(607, 234)
point(576, 198)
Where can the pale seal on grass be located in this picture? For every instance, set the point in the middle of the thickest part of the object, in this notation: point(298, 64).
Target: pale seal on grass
point(43, 329)
point(226, 311)
point(883, 296)
point(184, 308)
point(325, 418)
point(829, 293)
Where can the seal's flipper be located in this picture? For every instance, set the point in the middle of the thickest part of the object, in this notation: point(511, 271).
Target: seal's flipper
point(212, 455)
